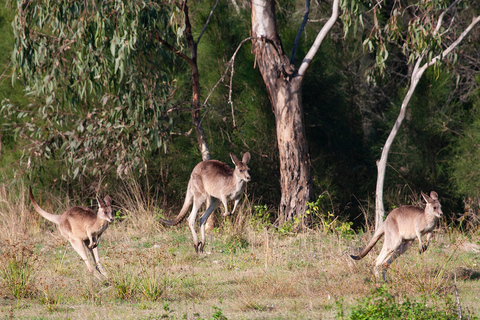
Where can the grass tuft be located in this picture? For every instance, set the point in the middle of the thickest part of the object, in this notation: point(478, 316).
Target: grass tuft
point(17, 269)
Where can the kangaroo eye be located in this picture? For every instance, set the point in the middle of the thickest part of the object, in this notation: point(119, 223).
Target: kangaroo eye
point(434, 208)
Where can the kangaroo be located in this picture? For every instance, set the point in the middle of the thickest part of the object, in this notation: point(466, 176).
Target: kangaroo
point(401, 227)
point(82, 227)
point(217, 182)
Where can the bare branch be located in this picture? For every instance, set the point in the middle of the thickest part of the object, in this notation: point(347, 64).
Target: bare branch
point(415, 78)
point(9, 64)
point(230, 64)
point(299, 33)
point(440, 19)
point(318, 41)
point(206, 23)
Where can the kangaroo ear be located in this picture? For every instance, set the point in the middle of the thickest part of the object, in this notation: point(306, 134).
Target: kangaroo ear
point(246, 158)
point(427, 198)
point(108, 201)
point(100, 202)
point(434, 195)
point(234, 158)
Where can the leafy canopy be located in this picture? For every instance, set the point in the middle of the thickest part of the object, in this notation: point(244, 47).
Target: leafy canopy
point(104, 80)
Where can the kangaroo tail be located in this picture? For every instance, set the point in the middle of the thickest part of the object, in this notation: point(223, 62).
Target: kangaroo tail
point(183, 212)
point(378, 234)
point(50, 217)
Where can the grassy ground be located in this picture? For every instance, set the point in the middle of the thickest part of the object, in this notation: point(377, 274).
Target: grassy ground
point(248, 271)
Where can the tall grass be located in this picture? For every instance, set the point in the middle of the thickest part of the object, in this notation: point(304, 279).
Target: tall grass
point(17, 269)
point(15, 219)
point(137, 208)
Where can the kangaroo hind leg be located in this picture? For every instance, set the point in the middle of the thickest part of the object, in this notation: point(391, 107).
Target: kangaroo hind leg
point(387, 255)
point(197, 203)
point(214, 204)
point(78, 245)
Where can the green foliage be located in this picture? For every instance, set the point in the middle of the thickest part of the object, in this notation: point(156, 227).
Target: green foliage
point(262, 217)
point(103, 77)
point(235, 243)
point(327, 222)
point(217, 315)
point(291, 226)
point(382, 305)
point(418, 35)
point(466, 164)
point(151, 286)
point(126, 282)
point(103, 60)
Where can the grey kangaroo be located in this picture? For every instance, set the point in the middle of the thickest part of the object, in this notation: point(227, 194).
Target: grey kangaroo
point(216, 181)
point(401, 227)
point(82, 227)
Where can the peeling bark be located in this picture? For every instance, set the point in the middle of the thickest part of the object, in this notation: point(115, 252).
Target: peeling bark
point(284, 90)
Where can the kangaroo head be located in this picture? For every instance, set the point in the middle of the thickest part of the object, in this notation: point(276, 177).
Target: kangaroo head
point(105, 211)
point(433, 206)
point(241, 168)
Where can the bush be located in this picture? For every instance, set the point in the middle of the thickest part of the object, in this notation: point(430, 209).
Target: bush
point(382, 305)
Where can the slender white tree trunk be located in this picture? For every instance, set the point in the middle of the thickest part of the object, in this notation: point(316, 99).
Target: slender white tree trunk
point(415, 78)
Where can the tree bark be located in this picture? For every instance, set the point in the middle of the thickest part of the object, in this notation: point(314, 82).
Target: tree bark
point(284, 89)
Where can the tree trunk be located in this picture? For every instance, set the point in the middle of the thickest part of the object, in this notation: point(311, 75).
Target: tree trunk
point(382, 163)
point(196, 119)
point(284, 89)
point(414, 79)
point(197, 122)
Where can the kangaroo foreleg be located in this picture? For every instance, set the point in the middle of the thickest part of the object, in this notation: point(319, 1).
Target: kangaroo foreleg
point(94, 243)
point(98, 265)
point(225, 205)
point(93, 240)
point(235, 205)
point(423, 248)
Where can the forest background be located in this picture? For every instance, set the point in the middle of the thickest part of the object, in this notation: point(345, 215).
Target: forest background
point(349, 112)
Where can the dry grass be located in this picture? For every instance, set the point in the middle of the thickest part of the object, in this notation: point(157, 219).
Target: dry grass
point(248, 271)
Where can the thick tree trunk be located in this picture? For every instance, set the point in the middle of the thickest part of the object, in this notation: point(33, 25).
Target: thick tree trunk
point(284, 90)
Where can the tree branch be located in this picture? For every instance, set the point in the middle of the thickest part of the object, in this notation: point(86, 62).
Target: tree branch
point(415, 78)
point(454, 44)
point(318, 41)
point(206, 23)
point(302, 27)
point(230, 64)
point(171, 48)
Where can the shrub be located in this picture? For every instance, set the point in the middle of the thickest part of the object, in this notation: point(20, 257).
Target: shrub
point(382, 305)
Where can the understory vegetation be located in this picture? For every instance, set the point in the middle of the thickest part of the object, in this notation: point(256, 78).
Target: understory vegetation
point(250, 269)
